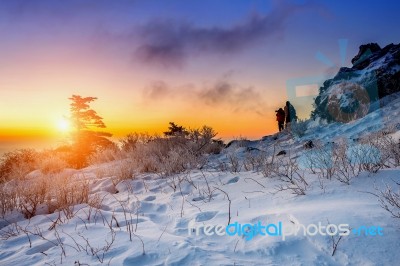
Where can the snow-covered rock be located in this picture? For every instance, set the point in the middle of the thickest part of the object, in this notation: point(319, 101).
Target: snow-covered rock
point(375, 74)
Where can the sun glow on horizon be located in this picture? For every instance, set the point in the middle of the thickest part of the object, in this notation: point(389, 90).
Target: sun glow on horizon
point(63, 125)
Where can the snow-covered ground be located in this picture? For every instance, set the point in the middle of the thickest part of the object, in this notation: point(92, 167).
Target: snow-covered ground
point(165, 216)
point(154, 221)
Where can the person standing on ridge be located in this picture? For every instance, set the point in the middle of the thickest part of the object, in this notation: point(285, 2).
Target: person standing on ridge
point(290, 114)
point(280, 117)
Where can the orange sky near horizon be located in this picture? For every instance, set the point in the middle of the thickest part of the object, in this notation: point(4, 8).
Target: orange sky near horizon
point(39, 120)
point(30, 108)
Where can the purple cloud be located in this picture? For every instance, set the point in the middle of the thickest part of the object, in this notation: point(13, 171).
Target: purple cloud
point(168, 43)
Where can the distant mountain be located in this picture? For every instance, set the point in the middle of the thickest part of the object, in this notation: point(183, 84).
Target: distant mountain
point(349, 95)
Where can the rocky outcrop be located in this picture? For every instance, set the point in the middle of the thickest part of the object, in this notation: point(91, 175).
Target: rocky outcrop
point(365, 51)
point(375, 74)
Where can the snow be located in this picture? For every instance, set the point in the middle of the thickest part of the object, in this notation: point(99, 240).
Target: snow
point(165, 231)
point(148, 209)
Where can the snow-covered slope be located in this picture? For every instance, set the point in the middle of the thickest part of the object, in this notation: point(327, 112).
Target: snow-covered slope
point(165, 216)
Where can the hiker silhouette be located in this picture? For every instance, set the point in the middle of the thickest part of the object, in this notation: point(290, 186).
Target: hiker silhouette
point(280, 117)
point(290, 114)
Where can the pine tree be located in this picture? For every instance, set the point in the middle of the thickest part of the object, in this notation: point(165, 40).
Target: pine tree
point(175, 131)
point(85, 139)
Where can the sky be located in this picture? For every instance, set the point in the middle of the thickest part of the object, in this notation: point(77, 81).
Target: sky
point(226, 64)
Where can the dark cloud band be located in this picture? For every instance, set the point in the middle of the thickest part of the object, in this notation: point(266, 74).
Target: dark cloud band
point(168, 43)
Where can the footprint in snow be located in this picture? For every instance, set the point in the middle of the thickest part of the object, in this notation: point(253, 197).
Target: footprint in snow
point(198, 198)
point(233, 180)
point(205, 216)
point(150, 198)
point(148, 207)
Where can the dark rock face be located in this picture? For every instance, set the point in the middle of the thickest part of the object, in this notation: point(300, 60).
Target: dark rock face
point(365, 51)
point(375, 74)
point(386, 64)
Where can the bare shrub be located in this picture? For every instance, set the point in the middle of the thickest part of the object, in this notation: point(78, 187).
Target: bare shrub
point(269, 167)
point(234, 162)
point(248, 162)
point(391, 146)
point(254, 161)
point(298, 128)
point(8, 199)
point(269, 163)
point(57, 191)
point(290, 173)
point(52, 165)
point(345, 168)
point(131, 141)
point(10, 231)
point(179, 160)
point(321, 160)
point(17, 164)
point(102, 172)
point(203, 141)
point(65, 192)
point(222, 166)
point(388, 150)
point(123, 170)
point(215, 147)
point(375, 151)
point(93, 249)
point(367, 156)
point(309, 161)
point(229, 203)
point(180, 150)
point(106, 155)
point(391, 150)
point(335, 240)
point(128, 143)
point(390, 199)
point(31, 194)
point(167, 156)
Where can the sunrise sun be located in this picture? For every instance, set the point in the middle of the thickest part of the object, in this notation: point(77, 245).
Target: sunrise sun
point(63, 125)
